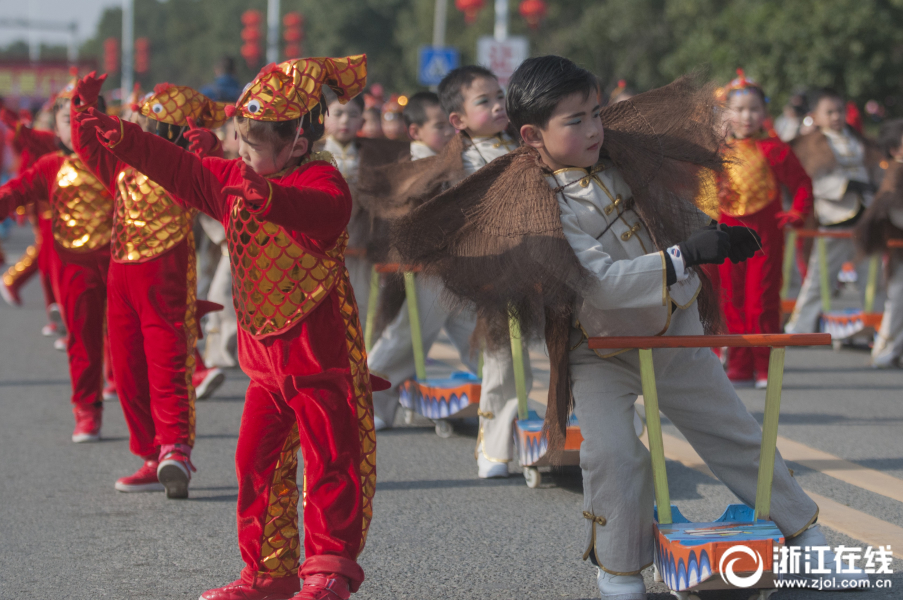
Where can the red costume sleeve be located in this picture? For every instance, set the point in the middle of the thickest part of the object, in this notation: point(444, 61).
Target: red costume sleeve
point(32, 185)
point(789, 173)
point(314, 200)
point(95, 156)
point(192, 181)
point(36, 143)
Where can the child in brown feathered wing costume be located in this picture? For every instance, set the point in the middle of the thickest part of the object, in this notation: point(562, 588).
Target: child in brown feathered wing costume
point(600, 240)
point(881, 223)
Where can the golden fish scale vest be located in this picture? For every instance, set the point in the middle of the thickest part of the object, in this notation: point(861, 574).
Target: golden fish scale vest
point(276, 282)
point(83, 219)
point(751, 179)
point(146, 222)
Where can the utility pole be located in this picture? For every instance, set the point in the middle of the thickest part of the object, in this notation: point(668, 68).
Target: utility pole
point(273, 31)
point(128, 47)
point(501, 20)
point(439, 22)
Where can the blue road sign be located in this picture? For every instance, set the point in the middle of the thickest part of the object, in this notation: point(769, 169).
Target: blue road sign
point(435, 63)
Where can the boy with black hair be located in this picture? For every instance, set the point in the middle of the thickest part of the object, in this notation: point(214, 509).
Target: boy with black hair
point(475, 103)
point(392, 357)
point(881, 223)
point(583, 240)
point(844, 167)
point(427, 125)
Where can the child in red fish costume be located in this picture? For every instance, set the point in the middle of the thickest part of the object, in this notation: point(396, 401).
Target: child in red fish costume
point(285, 212)
point(152, 290)
point(81, 218)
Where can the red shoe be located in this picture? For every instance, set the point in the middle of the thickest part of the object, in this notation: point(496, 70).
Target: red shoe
point(11, 295)
point(49, 330)
point(283, 588)
point(109, 392)
point(174, 470)
point(206, 381)
point(87, 423)
point(144, 479)
point(324, 587)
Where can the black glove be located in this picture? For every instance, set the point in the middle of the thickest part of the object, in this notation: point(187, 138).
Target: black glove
point(744, 242)
point(708, 246)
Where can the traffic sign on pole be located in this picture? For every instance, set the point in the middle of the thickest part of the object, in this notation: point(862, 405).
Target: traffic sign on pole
point(502, 58)
point(435, 63)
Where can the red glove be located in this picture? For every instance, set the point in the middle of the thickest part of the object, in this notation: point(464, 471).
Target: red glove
point(255, 189)
point(107, 128)
point(202, 142)
point(9, 118)
point(790, 218)
point(87, 90)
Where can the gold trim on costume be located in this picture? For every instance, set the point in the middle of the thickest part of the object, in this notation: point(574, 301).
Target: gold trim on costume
point(280, 548)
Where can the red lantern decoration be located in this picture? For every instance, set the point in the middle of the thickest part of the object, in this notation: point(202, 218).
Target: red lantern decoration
point(142, 55)
point(251, 36)
point(111, 55)
point(533, 11)
point(293, 34)
point(470, 8)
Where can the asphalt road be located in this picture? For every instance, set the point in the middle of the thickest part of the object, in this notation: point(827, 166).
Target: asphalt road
point(437, 532)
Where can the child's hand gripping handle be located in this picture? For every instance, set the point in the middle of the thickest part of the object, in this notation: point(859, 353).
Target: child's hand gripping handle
point(255, 189)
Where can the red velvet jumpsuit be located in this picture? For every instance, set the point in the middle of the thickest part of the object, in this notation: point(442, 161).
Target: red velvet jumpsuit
point(40, 257)
point(82, 217)
point(301, 343)
point(750, 195)
point(150, 302)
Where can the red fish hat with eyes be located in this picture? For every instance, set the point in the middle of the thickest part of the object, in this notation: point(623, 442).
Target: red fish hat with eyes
point(289, 90)
point(175, 104)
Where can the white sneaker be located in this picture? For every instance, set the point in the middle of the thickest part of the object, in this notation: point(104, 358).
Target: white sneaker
point(621, 587)
point(56, 316)
point(48, 330)
point(639, 425)
point(490, 469)
point(379, 424)
point(60, 344)
point(884, 360)
point(212, 379)
point(8, 296)
point(814, 538)
point(762, 384)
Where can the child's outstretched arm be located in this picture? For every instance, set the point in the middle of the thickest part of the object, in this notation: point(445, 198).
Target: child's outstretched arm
point(790, 174)
point(28, 187)
point(103, 164)
point(38, 143)
point(321, 209)
point(192, 181)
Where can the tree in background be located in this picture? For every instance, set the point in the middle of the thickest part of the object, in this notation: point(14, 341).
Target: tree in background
point(854, 45)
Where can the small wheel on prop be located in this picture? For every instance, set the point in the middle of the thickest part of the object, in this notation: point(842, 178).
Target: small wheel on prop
point(408, 416)
point(444, 429)
point(533, 477)
point(837, 345)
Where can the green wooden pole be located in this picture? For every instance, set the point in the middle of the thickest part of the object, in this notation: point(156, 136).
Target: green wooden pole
point(789, 251)
point(656, 445)
point(517, 358)
point(372, 303)
point(770, 432)
point(410, 292)
point(872, 284)
point(480, 359)
point(823, 271)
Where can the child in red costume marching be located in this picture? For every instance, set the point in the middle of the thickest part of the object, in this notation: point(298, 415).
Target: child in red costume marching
point(81, 216)
point(750, 196)
point(152, 289)
point(285, 213)
point(31, 145)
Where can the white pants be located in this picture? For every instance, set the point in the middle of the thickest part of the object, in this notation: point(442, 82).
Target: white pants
point(696, 395)
point(392, 357)
point(889, 341)
point(498, 403)
point(221, 330)
point(360, 271)
point(808, 307)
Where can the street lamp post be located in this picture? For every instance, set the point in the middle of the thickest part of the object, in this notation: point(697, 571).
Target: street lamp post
point(501, 20)
point(128, 46)
point(273, 31)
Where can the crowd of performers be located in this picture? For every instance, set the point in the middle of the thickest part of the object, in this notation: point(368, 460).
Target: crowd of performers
point(537, 202)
